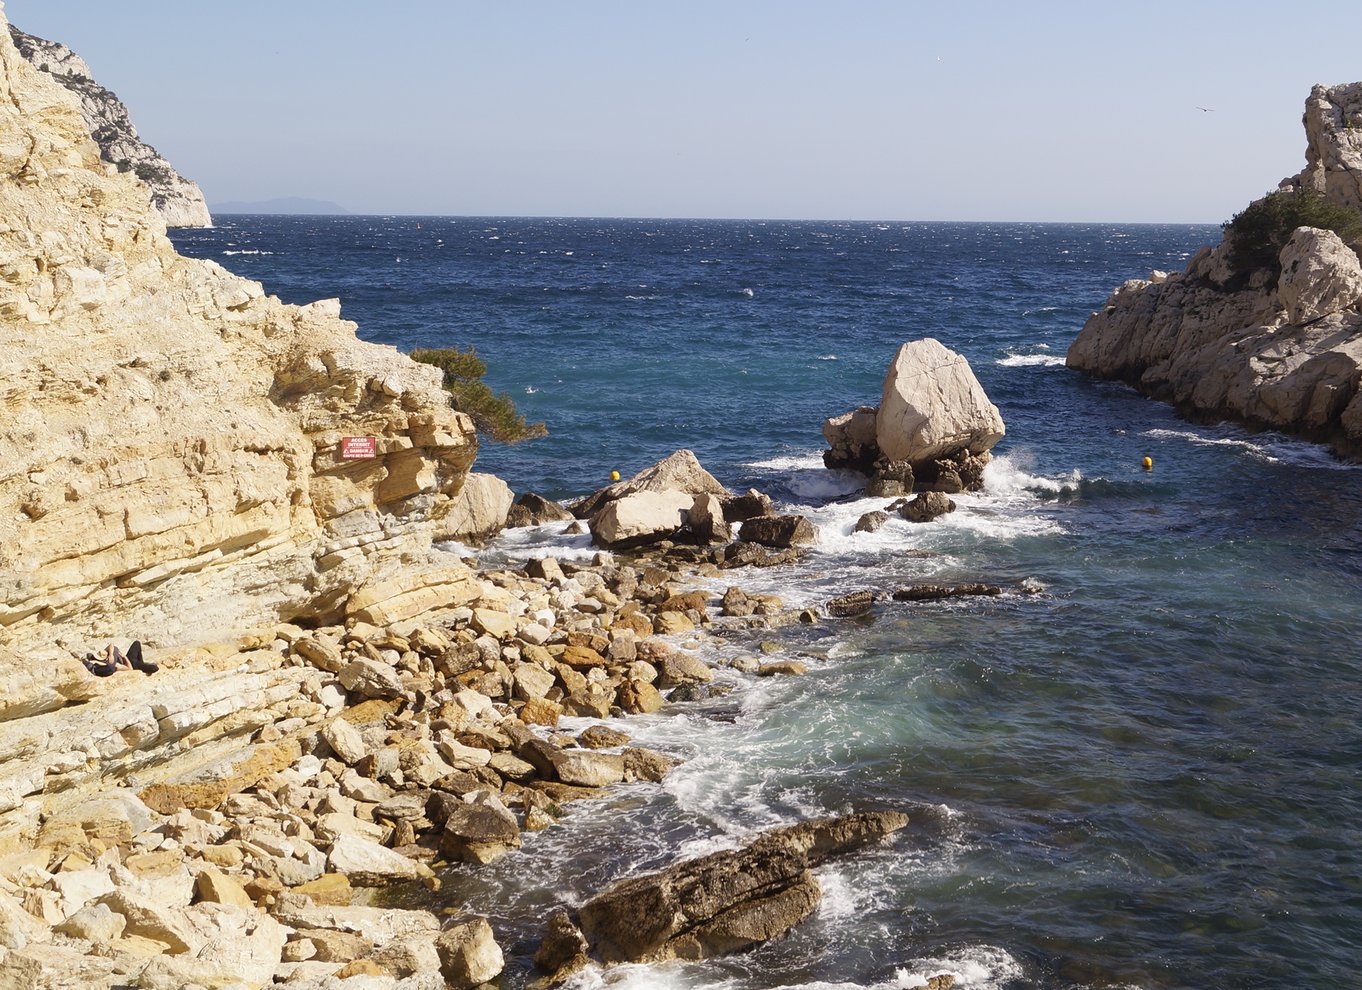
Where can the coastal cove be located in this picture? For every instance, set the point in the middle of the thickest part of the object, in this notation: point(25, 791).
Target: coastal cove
point(1137, 767)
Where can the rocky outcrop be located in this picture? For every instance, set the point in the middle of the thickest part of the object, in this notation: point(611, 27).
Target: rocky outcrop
point(933, 419)
point(175, 466)
point(720, 903)
point(179, 201)
point(1281, 351)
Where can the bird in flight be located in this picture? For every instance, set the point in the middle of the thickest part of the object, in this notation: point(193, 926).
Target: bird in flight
point(1206, 109)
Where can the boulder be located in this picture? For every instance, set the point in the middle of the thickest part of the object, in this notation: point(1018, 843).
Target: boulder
point(640, 517)
point(469, 954)
point(926, 507)
point(933, 405)
point(748, 505)
point(936, 592)
point(1320, 275)
point(871, 522)
point(744, 554)
point(779, 531)
point(852, 437)
point(889, 479)
point(479, 510)
point(369, 864)
point(366, 678)
point(846, 606)
point(706, 519)
point(535, 510)
point(725, 901)
point(678, 472)
point(477, 831)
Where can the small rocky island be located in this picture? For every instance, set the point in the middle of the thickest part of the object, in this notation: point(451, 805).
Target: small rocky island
point(1266, 327)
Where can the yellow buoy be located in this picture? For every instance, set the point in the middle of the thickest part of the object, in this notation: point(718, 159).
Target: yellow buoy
point(615, 475)
point(1148, 463)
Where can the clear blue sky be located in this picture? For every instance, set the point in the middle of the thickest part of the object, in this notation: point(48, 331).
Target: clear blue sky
point(776, 108)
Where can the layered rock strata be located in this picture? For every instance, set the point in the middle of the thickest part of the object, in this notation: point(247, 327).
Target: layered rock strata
point(1280, 351)
point(218, 822)
point(179, 201)
point(720, 903)
point(175, 468)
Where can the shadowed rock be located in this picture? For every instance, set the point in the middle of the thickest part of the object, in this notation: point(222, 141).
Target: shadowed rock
point(726, 901)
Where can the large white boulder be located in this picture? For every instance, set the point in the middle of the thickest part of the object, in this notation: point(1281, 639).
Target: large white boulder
point(640, 517)
point(1320, 275)
point(933, 406)
point(480, 510)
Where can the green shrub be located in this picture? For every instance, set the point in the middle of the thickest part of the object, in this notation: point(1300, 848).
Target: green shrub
point(494, 415)
point(1260, 231)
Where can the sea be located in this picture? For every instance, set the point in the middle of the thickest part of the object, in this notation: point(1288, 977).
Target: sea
point(1139, 767)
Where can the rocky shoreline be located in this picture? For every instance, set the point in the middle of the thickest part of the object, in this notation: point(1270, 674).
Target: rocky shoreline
point(1274, 342)
point(225, 821)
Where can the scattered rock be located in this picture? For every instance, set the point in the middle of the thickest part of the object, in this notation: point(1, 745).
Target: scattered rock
point(469, 954)
point(926, 507)
point(535, 510)
point(871, 522)
point(935, 592)
point(846, 606)
point(779, 531)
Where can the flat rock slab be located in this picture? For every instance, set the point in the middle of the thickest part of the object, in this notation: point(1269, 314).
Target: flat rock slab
point(728, 900)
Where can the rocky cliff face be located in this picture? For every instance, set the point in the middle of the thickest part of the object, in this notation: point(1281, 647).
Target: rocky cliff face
point(171, 435)
point(1282, 351)
point(179, 201)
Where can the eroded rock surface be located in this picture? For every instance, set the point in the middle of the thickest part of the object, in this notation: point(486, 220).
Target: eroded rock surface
point(179, 201)
point(175, 469)
point(1283, 352)
point(723, 902)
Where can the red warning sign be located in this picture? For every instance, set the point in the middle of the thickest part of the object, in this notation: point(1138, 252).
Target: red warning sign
point(356, 447)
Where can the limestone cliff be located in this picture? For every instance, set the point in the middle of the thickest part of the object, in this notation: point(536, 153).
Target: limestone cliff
point(179, 201)
point(171, 434)
point(1278, 347)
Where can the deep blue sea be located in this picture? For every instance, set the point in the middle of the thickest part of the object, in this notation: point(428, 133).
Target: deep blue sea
point(1146, 772)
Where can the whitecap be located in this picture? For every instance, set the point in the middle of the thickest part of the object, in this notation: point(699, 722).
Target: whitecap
point(1030, 360)
point(827, 357)
point(244, 251)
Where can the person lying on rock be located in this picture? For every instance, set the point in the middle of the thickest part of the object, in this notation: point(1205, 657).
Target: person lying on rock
point(116, 660)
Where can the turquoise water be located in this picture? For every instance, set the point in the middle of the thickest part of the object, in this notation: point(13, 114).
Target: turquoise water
point(1138, 768)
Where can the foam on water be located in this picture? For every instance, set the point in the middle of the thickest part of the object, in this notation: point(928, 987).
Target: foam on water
point(976, 967)
point(1274, 448)
point(1030, 361)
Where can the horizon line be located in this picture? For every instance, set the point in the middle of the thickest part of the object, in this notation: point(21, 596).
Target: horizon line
point(700, 219)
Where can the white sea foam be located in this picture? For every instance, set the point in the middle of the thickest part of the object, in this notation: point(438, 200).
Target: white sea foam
point(827, 357)
point(1273, 448)
point(245, 251)
point(980, 967)
point(790, 462)
point(1030, 361)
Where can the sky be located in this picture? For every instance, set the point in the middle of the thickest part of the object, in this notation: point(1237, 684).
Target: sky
point(860, 109)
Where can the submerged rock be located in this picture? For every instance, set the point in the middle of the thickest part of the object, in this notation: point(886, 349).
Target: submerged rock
point(846, 606)
point(936, 592)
